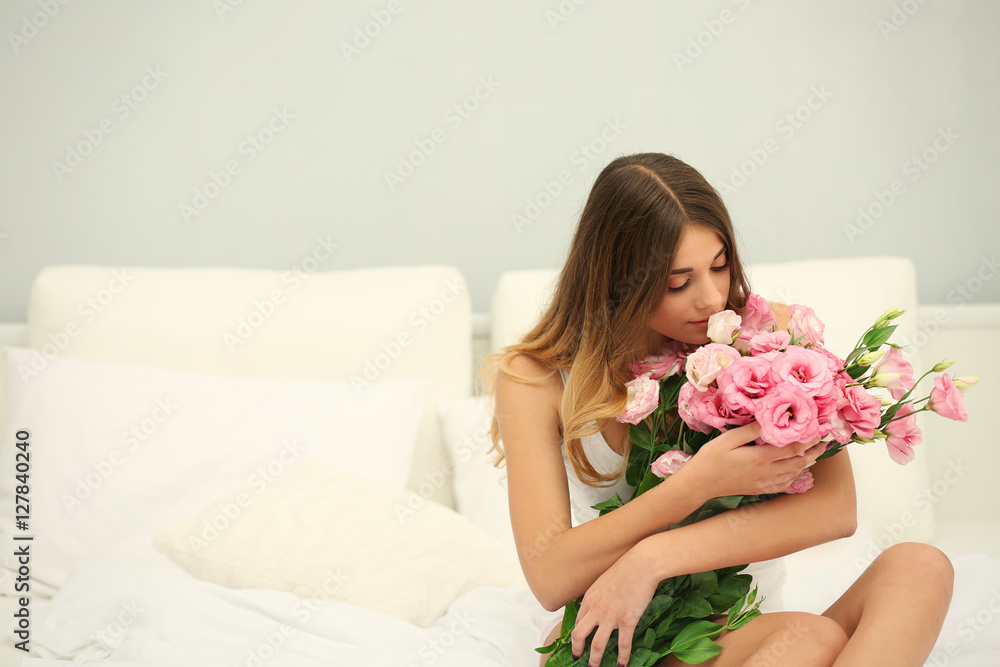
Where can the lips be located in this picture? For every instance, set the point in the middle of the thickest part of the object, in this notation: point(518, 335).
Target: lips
point(700, 324)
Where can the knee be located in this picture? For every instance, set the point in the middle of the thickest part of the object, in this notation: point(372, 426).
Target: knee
point(800, 634)
point(924, 563)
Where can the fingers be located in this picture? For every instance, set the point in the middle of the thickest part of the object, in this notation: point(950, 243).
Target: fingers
point(625, 644)
point(600, 640)
point(737, 437)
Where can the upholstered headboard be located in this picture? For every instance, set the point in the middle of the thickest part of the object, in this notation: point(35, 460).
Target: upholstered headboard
point(355, 326)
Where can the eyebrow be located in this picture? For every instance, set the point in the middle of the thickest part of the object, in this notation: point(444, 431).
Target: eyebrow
point(689, 269)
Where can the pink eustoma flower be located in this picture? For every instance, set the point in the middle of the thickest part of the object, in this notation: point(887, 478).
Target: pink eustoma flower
point(744, 382)
point(669, 462)
point(658, 366)
point(769, 341)
point(902, 435)
point(894, 373)
point(688, 407)
point(802, 483)
point(804, 325)
point(861, 410)
point(757, 316)
point(803, 367)
point(786, 415)
point(704, 364)
point(643, 397)
point(723, 327)
point(946, 399)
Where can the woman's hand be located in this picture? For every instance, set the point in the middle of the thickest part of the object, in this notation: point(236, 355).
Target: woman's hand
point(725, 467)
point(615, 601)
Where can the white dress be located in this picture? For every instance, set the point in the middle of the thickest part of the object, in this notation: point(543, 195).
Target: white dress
point(769, 576)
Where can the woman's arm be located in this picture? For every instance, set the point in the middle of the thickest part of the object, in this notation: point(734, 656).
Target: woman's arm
point(762, 531)
point(560, 562)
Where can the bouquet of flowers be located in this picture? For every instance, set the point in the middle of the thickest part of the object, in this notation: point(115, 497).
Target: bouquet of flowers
point(797, 391)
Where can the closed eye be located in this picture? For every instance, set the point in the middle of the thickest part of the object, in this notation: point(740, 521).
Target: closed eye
point(716, 269)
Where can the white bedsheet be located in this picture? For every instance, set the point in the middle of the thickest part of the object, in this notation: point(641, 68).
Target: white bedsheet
point(130, 617)
point(123, 617)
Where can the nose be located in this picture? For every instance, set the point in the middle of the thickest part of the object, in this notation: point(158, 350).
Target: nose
point(711, 298)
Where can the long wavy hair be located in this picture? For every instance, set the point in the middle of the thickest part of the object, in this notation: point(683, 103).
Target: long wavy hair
point(614, 278)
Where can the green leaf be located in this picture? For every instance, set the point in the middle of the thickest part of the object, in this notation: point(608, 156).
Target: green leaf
point(700, 651)
point(695, 607)
point(640, 436)
point(649, 480)
point(875, 339)
point(612, 503)
point(693, 632)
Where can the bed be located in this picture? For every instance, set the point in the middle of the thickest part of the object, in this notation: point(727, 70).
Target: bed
point(232, 466)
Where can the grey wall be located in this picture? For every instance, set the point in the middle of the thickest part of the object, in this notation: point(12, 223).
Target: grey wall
point(118, 114)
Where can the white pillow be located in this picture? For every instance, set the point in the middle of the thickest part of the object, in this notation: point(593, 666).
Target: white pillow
point(480, 487)
point(116, 451)
point(323, 532)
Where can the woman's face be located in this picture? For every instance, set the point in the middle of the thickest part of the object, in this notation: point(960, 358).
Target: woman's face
point(698, 287)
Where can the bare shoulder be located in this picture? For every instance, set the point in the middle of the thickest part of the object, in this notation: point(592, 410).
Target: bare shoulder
point(782, 313)
point(530, 398)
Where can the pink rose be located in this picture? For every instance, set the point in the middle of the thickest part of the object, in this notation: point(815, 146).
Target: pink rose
point(744, 382)
point(805, 325)
point(802, 483)
point(786, 415)
point(658, 366)
point(704, 364)
point(769, 341)
point(902, 434)
point(803, 367)
point(757, 316)
point(946, 399)
point(669, 463)
point(643, 397)
point(723, 327)
point(894, 373)
point(861, 410)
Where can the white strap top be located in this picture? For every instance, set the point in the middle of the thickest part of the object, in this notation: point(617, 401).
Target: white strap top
point(769, 576)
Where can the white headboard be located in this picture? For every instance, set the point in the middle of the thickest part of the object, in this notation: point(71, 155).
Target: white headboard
point(354, 325)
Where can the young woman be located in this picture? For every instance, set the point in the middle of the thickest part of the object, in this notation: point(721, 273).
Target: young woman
point(653, 256)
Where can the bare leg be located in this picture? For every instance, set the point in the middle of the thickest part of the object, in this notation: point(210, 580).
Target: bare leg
point(781, 639)
point(894, 611)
